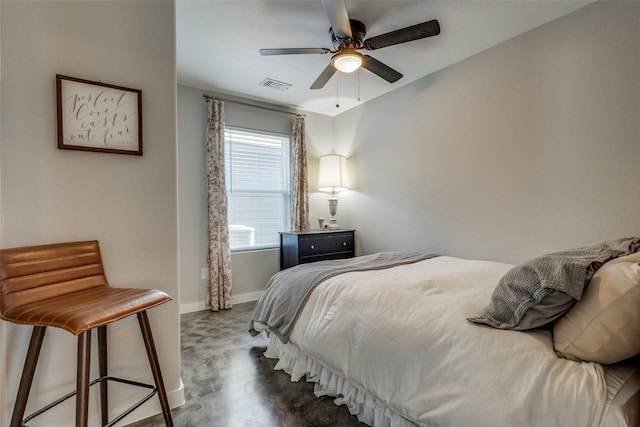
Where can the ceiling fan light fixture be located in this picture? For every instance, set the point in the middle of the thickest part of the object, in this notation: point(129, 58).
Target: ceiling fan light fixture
point(347, 61)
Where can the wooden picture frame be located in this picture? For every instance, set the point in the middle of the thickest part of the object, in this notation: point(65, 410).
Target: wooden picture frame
point(95, 116)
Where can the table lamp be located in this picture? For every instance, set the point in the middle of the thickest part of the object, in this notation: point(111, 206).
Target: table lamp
point(333, 179)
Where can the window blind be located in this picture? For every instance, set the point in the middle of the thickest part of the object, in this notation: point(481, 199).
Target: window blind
point(256, 168)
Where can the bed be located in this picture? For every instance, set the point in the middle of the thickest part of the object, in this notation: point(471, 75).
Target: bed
point(417, 340)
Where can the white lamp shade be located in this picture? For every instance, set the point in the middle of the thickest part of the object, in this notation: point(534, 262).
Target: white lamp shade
point(333, 173)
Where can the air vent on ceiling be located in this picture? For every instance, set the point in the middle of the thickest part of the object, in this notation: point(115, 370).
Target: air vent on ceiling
point(275, 84)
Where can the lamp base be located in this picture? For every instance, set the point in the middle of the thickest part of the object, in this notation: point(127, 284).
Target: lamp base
point(333, 209)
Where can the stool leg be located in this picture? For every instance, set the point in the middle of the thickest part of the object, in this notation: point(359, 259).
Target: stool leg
point(102, 363)
point(37, 336)
point(143, 319)
point(82, 384)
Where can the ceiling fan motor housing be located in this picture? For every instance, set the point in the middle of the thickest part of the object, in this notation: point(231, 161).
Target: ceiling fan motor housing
point(358, 32)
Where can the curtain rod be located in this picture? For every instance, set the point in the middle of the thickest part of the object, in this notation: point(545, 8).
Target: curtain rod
point(206, 95)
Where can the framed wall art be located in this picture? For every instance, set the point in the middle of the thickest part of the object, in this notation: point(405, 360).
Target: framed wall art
point(95, 116)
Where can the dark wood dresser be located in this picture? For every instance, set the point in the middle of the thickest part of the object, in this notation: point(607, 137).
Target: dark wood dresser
point(309, 246)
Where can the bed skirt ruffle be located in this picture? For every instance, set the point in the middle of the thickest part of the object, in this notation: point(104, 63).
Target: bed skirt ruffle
point(366, 407)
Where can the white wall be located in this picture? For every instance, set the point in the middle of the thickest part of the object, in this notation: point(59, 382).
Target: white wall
point(528, 147)
point(128, 203)
point(251, 270)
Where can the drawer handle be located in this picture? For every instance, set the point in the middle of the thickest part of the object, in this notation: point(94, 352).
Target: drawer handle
point(344, 243)
point(313, 247)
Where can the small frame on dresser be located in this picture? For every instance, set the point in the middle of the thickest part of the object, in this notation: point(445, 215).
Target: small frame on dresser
point(95, 116)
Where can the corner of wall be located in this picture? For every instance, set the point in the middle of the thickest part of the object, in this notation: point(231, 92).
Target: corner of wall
point(3, 368)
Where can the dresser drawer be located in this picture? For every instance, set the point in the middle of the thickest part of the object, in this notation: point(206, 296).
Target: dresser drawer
point(315, 245)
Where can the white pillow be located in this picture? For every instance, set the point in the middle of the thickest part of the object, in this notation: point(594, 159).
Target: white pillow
point(604, 326)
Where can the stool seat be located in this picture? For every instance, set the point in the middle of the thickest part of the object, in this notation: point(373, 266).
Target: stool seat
point(80, 311)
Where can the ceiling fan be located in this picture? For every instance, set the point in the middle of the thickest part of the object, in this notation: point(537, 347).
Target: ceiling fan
point(347, 36)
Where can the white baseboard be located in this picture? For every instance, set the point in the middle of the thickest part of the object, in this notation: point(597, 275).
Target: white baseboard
point(192, 307)
point(248, 297)
point(237, 299)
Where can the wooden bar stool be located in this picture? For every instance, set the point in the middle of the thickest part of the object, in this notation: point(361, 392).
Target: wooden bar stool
point(63, 285)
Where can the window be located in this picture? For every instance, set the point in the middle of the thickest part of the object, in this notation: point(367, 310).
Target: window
point(257, 178)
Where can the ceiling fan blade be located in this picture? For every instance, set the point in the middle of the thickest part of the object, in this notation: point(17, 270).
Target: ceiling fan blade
point(338, 17)
point(324, 77)
point(380, 69)
point(294, 51)
point(403, 35)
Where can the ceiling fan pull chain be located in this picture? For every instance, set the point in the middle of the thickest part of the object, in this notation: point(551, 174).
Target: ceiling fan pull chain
point(358, 85)
point(337, 104)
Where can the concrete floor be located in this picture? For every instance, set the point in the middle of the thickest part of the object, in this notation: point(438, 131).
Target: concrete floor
point(229, 383)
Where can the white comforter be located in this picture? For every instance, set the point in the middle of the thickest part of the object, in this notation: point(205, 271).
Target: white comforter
point(401, 334)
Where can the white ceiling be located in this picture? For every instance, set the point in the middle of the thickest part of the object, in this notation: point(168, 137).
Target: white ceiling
point(218, 43)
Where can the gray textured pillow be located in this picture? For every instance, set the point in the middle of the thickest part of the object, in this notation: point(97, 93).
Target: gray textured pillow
point(539, 291)
point(552, 307)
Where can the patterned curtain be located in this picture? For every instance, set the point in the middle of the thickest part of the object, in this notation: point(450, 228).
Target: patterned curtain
point(299, 185)
point(219, 257)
